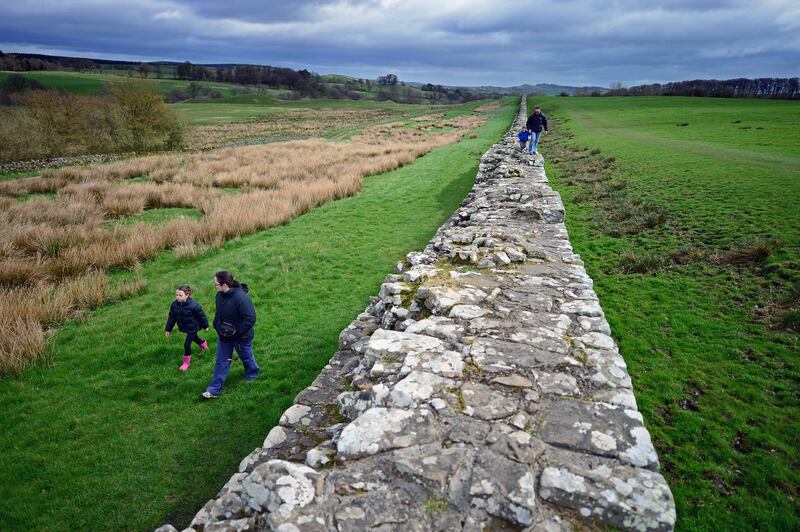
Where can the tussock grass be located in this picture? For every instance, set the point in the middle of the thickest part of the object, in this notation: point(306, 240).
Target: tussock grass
point(25, 344)
point(64, 244)
point(129, 288)
point(631, 262)
point(756, 250)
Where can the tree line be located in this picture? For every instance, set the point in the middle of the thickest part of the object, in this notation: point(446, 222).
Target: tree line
point(775, 88)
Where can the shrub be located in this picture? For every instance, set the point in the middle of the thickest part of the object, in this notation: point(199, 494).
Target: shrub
point(48, 123)
point(149, 123)
point(19, 83)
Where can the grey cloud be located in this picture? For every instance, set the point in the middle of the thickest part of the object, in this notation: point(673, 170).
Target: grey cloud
point(459, 42)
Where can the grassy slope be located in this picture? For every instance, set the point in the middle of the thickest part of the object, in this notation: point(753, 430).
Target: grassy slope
point(88, 82)
point(719, 391)
point(67, 81)
point(238, 110)
point(113, 436)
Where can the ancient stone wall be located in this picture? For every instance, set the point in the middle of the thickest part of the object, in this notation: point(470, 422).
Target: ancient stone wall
point(479, 390)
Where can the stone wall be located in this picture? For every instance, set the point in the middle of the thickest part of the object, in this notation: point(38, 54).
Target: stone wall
point(479, 390)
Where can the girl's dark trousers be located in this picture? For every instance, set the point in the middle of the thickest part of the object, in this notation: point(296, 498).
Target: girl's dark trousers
point(187, 344)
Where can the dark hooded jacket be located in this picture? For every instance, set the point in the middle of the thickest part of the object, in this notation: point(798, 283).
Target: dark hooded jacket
point(536, 122)
point(188, 315)
point(235, 312)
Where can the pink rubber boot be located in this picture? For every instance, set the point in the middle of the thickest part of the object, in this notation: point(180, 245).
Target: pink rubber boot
point(186, 361)
point(204, 345)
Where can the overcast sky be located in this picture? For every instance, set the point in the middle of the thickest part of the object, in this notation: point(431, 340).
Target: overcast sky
point(455, 42)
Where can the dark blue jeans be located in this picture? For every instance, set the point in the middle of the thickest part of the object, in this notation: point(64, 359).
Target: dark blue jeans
point(223, 365)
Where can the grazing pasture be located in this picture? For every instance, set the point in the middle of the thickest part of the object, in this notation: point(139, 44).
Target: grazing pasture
point(90, 82)
point(685, 211)
point(113, 436)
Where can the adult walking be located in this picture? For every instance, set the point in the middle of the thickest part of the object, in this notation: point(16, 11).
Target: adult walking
point(536, 123)
point(234, 319)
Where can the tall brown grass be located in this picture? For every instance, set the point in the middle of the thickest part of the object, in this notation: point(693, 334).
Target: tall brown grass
point(55, 251)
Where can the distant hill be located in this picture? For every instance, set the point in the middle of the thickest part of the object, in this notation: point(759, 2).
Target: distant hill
point(544, 89)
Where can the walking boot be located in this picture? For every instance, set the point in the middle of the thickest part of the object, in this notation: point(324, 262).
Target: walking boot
point(186, 361)
point(204, 345)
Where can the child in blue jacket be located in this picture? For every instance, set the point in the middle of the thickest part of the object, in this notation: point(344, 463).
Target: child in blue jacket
point(189, 316)
point(523, 137)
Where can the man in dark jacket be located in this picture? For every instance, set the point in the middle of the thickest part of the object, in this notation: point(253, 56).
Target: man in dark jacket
point(234, 319)
point(535, 124)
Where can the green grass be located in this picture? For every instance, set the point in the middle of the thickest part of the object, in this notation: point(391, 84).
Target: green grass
point(251, 106)
point(16, 175)
point(88, 82)
point(219, 113)
point(715, 379)
point(157, 216)
point(112, 436)
point(66, 81)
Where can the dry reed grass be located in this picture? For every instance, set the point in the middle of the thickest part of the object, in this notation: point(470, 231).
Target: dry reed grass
point(131, 287)
point(55, 252)
point(25, 314)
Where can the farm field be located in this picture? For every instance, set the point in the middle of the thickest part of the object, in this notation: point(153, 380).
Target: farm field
point(249, 118)
point(87, 82)
point(213, 123)
point(685, 211)
point(112, 436)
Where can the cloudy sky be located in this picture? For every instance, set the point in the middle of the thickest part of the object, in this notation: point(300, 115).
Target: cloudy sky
point(456, 42)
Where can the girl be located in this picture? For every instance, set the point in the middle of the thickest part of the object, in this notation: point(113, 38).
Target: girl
point(189, 316)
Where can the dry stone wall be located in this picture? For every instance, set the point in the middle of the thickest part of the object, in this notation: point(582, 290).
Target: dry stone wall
point(480, 389)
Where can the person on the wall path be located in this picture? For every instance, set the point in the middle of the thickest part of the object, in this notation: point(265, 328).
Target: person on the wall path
point(536, 124)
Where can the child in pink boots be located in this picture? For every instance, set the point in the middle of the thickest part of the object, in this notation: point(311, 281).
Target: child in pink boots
point(189, 316)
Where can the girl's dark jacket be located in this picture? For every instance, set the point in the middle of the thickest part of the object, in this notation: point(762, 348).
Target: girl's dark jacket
point(188, 315)
point(234, 308)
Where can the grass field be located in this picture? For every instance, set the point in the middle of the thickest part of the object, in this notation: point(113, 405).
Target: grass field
point(112, 436)
point(88, 82)
point(701, 197)
point(242, 107)
point(256, 110)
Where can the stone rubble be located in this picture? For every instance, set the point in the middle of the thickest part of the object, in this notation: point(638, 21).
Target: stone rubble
point(480, 389)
